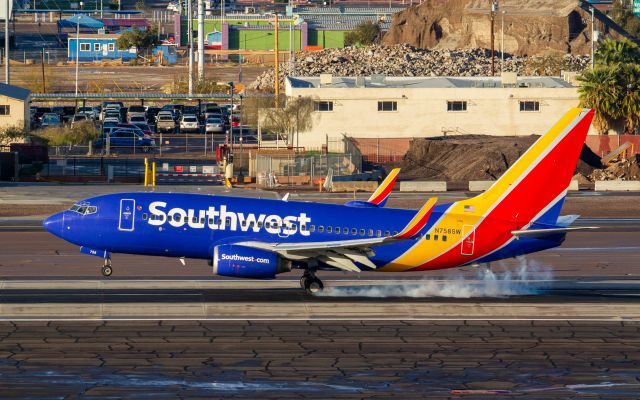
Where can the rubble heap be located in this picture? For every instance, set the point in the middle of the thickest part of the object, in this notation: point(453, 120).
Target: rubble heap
point(406, 60)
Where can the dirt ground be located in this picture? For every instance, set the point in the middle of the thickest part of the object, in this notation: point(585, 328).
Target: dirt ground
point(95, 79)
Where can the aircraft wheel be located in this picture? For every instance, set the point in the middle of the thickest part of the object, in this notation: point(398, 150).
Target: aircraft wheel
point(313, 285)
point(107, 270)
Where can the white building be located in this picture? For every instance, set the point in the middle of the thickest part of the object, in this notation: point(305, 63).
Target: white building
point(408, 107)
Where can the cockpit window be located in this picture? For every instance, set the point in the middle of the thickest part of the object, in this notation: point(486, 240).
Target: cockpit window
point(83, 209)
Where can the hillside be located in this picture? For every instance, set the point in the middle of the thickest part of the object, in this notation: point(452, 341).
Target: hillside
point(532, 27)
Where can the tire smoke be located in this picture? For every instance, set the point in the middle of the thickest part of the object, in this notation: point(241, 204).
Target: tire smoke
point(527, 278)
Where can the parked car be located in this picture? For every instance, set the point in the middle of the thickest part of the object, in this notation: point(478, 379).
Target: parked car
point(165, 122)
point(189, 123)
point(152, 114)
point(90, 112)
point(111, 113)
point(110, 120)
point(50, 120)
point(138, 118)
point(136, 111)
point(125, 139)
point(146, 128)
point(214, 125)
point(176, 109)
point(78, 118)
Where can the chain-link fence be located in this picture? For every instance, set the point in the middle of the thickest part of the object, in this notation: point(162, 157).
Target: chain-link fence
point(300, 169)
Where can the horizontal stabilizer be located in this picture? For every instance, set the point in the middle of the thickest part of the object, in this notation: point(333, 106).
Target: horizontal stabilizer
point(538, 233)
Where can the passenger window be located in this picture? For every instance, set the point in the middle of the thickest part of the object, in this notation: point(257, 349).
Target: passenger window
point(395, 233)
point(387, 233)
point(144, 216)
point(444, 238)
point(169, 218)
point(329, 229)
point(210, 221)
point(354, 231)
point(321, 228)
point(243, 223)
point(379, 233)
point(345, 231)
point(194, 219)
point(370, 232)
point(362, 232)
point(427, 237)
point(435, 237)
point(228, 221)
point(312, 228)
point(337, 230)
point(259, 224)
point(303, 228)
point(202, 220)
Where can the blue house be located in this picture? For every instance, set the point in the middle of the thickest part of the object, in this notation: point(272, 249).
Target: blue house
point(101, 46)
point(97, 47)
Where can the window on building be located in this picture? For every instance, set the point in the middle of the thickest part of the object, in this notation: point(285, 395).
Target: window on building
point(85, 46)
point(5, 110)
point(323, 106)
point(96, 47)
point(387, 106)
point(529, 106)
point(112, 47)
point(456, 106)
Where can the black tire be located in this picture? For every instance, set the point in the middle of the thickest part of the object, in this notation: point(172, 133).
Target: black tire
point(313, 285)
point(107, 270)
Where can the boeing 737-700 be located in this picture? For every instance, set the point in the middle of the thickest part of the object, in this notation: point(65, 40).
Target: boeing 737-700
point(260, 238)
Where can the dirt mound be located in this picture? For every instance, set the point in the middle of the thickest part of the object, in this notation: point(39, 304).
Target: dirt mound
point(625, 169)
point(532, 27)
point(474, 157)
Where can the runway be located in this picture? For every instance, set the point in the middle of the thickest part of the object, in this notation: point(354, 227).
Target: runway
point(563, 323)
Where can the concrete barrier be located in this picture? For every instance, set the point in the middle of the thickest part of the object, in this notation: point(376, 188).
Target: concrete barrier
point(357, 186)
point(423, 186)
point(574, 186)
point(480, 186)
point(617, 186)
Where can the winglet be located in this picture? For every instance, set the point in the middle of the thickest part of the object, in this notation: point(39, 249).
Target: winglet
point(380, 196)
point(418, 221)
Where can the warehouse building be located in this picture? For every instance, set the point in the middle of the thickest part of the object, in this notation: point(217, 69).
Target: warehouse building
point(408, 107)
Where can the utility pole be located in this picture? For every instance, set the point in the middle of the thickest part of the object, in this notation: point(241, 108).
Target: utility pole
point(190, 37)
point(494, 6)
point(7, 79)
point(502, 43)
point(200, 40)
point(77, 52)
point(277, 61)
point(593, 19)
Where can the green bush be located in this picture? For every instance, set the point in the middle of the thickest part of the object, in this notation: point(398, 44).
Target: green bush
point(81, 133)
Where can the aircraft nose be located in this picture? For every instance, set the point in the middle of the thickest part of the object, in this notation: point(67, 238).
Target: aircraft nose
point(53, 224)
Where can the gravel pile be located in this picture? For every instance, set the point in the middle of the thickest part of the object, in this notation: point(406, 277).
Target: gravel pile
point(405, 60)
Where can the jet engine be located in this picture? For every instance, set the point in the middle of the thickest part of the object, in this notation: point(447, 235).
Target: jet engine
point(247, 262)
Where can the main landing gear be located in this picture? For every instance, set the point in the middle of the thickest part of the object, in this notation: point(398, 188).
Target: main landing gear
point(311, 283)
point(106, 269)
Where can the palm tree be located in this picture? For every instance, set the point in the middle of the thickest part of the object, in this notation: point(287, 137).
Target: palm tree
point(629, 80)
point(600, 91)
point(617, 52)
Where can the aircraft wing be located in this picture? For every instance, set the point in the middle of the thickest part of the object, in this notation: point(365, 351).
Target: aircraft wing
point(343, 254)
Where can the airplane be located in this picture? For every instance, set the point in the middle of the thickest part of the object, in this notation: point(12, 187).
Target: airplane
point(260, 238)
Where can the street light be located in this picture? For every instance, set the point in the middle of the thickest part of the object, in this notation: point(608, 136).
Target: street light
point(231, 117)
point(77, 52)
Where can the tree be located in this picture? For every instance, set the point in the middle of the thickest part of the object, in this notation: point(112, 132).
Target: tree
point(366, 33)
point(142, 39)
point(613, 92)
point(617, 51)
point(294, 117)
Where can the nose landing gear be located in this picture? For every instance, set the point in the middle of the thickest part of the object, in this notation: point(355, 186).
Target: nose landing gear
point(311, 283)
point(107, 270)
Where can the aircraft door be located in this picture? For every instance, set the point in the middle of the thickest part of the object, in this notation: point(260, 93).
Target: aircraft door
point(468, 243)
point(127, 215)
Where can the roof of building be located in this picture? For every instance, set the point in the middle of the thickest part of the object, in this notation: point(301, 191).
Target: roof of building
point(95, 36)
point(15, 92)
point(426, 82)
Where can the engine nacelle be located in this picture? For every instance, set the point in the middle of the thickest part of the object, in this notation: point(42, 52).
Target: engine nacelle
point(247, 262)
